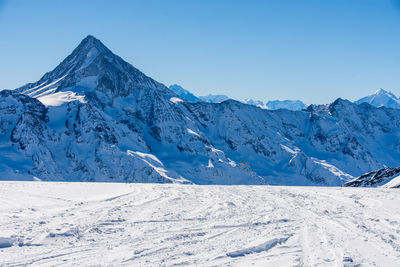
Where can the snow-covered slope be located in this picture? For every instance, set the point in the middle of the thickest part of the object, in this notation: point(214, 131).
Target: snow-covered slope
point(323, 144)
point(102, 224)
point(124, 127)
point(183, 93)
point(383, 177)
point(100, 119)
point(381, 98)
point(74, 141)
point(393, 183)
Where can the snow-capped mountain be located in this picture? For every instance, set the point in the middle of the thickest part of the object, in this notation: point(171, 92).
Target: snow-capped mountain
point(108, 121)
point(214, 98)
point(277, 104)
point(272, 105)
point(385, 177)
point(186, 95)
point(97, 118)
point(381, 98)
point(183, 93)
point(257, 103)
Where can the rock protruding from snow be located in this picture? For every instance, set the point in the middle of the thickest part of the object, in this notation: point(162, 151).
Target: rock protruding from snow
point(376, 178)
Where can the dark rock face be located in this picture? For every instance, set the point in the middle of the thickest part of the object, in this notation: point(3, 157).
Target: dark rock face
point(93, 66)
point(374, 178)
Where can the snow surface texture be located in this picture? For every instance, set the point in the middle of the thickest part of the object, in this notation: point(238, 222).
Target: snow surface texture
point(94, 116)
point(381, 98)
point(81, 224)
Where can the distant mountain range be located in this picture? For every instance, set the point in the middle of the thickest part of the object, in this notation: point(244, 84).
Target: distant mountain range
point(214, 98)
point(95, 117)
point(380, 98)
point(273, 105)
point(277, 104)
point(188, 96)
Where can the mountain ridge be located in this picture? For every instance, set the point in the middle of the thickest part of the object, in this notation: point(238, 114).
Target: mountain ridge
point(211, 98)
point(107, 121)
point(384, 177)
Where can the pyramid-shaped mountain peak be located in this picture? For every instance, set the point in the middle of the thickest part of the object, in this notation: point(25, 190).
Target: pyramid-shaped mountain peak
point(86, 53)
point(93, 67)
point(90, 38)
point(89, 43)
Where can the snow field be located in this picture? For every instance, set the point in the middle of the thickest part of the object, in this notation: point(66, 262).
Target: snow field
point(86, 224)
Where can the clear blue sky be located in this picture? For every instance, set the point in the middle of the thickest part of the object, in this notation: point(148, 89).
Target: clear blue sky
point(312, 50)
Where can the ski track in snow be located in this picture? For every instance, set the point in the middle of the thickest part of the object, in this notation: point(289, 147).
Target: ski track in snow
point(49, 223)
